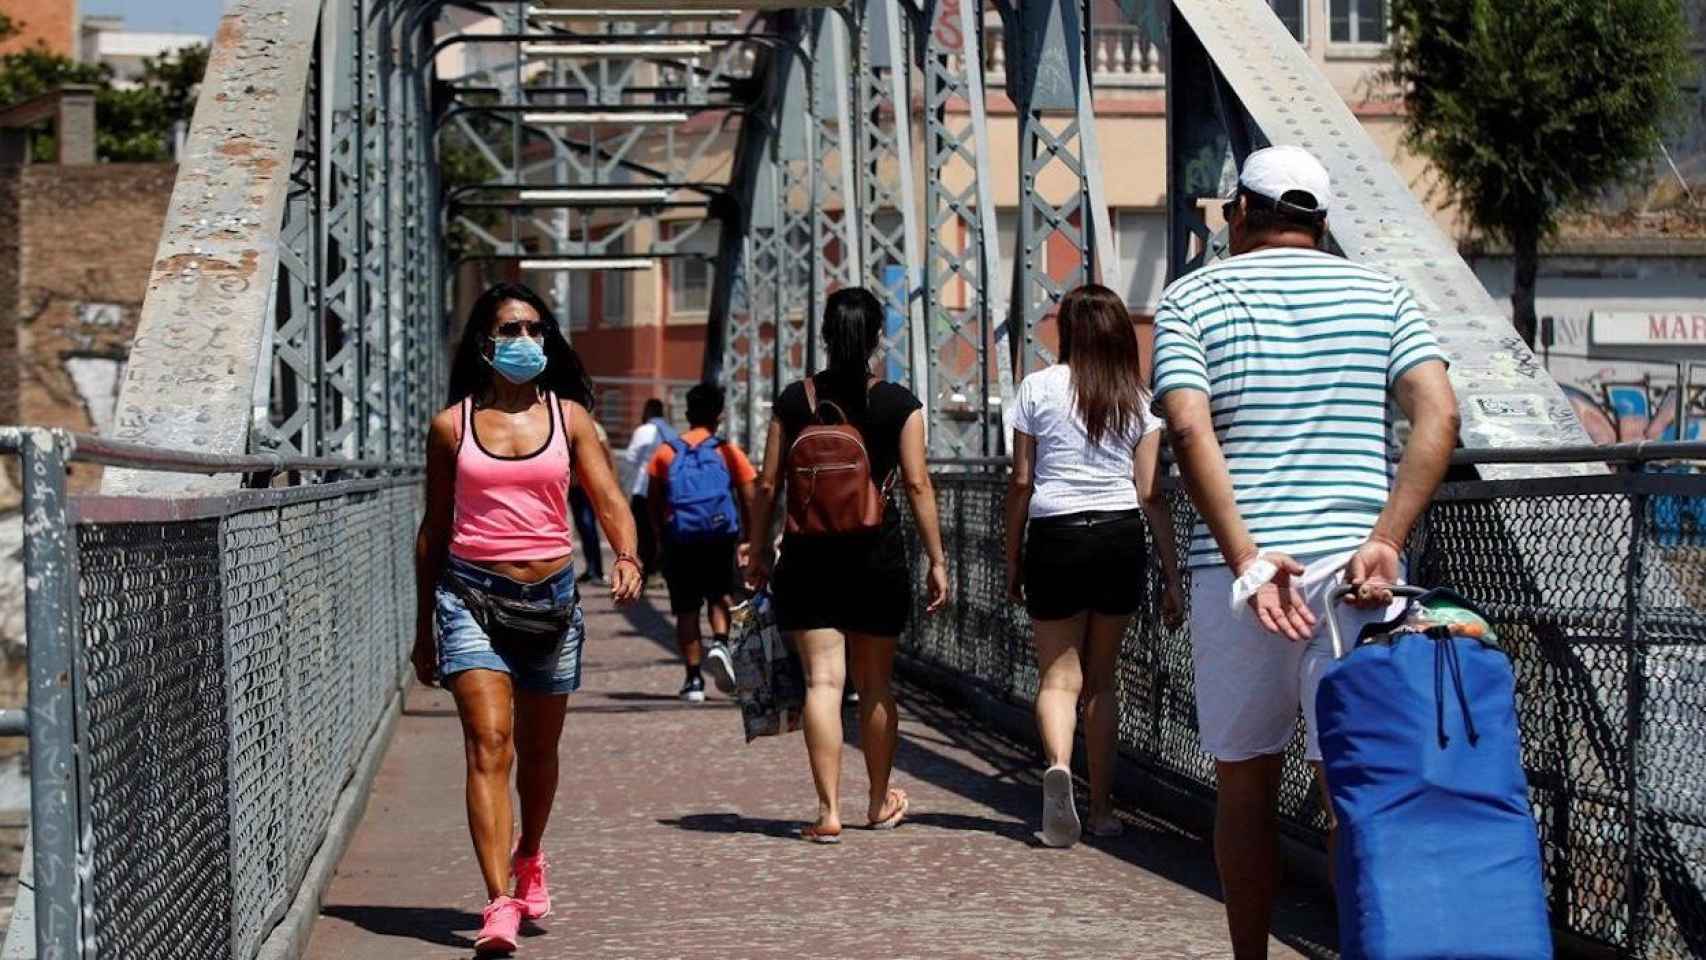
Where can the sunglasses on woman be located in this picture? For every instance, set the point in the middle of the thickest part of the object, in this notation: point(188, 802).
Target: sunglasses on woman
point(510, 329)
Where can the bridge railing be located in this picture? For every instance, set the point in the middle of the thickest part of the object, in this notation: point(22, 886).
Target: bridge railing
point(210, 677)
point(1608, 640)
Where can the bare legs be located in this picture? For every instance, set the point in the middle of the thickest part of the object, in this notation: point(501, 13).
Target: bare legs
point(538, 729)
point(1102, 709)
point(821, 652)
point(871, 659)
point(497, 723)
point(828, 658)
point(689, 638)
point(1076, 657)
point(1246, 849)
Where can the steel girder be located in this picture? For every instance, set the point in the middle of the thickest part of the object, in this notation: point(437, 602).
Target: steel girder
point(1060, 186)
point(199, 341)
point(665, 155)
point(888, 205)
point(1237, 81)
point(290, 308)
point(962, 265)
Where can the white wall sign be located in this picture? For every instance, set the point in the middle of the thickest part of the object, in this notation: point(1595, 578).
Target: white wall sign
point(1615, 328)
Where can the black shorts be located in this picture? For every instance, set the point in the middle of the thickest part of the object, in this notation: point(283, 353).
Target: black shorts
point(850, 584)
point(1085, 561)
point(699, 573)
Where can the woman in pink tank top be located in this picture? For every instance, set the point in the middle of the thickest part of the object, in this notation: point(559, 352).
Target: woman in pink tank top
point(494, 577)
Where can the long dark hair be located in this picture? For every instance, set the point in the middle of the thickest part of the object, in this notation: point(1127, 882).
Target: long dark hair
point(852, 328)
point(471, 374)
point(1099, 343)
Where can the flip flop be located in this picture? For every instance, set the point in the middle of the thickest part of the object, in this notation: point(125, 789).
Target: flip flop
point(817, 834)
point(893, 820)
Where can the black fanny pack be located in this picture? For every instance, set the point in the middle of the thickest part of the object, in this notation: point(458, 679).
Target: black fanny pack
point(514, 620)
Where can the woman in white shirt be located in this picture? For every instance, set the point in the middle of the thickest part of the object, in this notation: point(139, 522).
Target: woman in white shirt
point(1086, 459)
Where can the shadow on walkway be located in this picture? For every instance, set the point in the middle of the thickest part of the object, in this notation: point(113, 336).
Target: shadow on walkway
point(650, 619)
point(439, 925)
point(735, 823)
point(1303, 916)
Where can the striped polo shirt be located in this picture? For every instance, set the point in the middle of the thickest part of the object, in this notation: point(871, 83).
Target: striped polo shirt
point(1296, 350)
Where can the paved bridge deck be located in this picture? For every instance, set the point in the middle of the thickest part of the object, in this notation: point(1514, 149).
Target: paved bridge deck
point(672, 838)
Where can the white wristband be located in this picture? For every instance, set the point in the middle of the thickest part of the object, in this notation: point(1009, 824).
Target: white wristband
point(1254, 578)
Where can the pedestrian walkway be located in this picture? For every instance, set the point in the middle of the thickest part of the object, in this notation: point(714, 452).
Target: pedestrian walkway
point(673, 838)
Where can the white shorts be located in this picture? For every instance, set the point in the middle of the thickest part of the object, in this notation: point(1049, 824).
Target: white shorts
point(1250, 683)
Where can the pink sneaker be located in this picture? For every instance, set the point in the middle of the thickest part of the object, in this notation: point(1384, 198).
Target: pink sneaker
point(501, 926)
point(530, 886)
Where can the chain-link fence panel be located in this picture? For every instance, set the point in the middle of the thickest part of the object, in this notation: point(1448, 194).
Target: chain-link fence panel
point(232, 670)
point(1598, 588)
point(154, 740)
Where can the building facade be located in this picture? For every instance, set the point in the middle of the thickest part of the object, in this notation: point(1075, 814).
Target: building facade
point(44, 24)
point(104, 40)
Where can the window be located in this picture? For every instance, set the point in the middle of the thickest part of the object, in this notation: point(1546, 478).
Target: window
point(1007, 236)
point(566, 293)
point(691, 277)
point(613, 298)
point(1290, 13)
point(1357, 21)
point(1140, 237)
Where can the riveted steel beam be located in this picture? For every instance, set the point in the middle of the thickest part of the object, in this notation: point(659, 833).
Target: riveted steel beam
point(1064, 239)
point(189, 382)
point(1268, 92)
point(888, 204)
point(963, 306)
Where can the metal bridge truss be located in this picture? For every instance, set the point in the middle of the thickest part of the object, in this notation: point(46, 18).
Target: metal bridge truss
point(305, 286)
point(351, 160)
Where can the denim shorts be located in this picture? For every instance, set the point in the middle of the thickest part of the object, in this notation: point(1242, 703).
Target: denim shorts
point(540, 667)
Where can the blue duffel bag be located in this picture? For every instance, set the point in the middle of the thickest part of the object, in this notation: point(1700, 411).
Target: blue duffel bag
point(1438, 855)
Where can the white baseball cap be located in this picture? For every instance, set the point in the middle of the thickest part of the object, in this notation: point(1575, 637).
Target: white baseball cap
point(1282, 173)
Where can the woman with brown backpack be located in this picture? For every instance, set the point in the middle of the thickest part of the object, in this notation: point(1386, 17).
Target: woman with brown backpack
point(840, 439)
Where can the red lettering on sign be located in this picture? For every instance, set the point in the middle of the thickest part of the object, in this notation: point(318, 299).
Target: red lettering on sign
point(948, 33)
point(1655, 327)
point(1700, 326)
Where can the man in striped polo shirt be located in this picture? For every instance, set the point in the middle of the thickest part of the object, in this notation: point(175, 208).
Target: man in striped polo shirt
point(1273, 369)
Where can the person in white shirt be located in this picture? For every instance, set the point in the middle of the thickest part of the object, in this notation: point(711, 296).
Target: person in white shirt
point(653, 432)
point(1086, 457)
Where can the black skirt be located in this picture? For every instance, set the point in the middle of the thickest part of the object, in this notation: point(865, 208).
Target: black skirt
point(854, 584)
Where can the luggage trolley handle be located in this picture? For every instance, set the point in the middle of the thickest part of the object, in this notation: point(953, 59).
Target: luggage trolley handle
point(1340, 593)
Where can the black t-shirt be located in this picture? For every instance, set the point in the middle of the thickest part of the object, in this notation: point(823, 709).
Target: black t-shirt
point(887, 407)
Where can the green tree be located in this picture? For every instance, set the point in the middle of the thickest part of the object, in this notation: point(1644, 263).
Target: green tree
point(1533, 109)
point(131, 124)
point(136, 124)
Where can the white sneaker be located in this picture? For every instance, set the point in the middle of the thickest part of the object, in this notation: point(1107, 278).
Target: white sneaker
point(719, 665)
point(1060, 815)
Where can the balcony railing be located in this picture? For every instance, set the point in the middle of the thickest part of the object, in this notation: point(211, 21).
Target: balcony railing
point(1123, 55)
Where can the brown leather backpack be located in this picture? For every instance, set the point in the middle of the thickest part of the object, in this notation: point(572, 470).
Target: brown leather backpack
point(830, 489)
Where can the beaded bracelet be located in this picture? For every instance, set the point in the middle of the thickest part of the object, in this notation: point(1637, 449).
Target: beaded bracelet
point(630, 558)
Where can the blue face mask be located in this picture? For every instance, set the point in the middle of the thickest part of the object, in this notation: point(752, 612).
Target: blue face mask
point(519, 359)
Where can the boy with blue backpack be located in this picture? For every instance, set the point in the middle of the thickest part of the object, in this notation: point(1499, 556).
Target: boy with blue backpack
point(699, 498)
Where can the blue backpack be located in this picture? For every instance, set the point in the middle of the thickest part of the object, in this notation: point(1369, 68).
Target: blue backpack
point(701, 501)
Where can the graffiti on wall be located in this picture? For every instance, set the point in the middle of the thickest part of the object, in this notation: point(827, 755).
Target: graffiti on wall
point(1617, 408)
